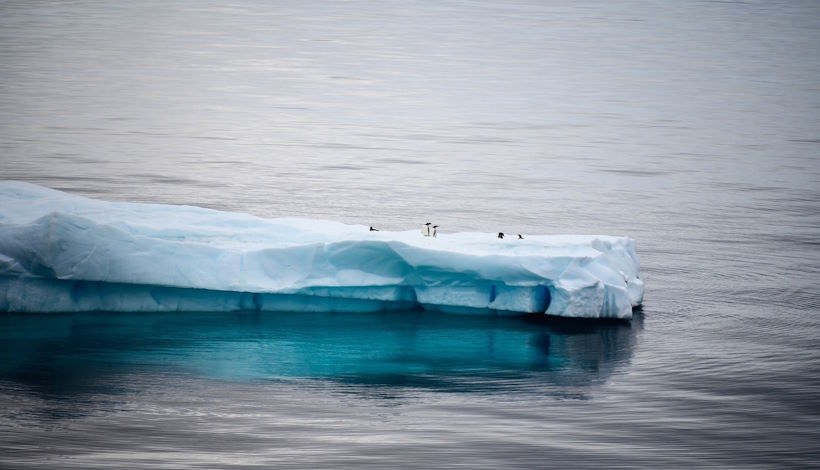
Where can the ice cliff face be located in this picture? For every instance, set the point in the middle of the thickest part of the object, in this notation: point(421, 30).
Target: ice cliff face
point(60, 252)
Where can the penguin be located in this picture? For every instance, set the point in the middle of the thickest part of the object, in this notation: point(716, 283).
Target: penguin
point(500, 234)
point(520, 237)
point(373, 229)
point(425, 229)
point(435, 230)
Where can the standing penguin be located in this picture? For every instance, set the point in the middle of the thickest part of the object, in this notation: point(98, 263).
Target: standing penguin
point(425, 229)
point(435, 230)
point(500, 234)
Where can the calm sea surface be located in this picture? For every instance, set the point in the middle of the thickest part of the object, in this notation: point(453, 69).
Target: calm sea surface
point(691, 126)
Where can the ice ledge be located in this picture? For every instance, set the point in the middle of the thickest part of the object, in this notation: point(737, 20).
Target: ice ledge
point(60, 252)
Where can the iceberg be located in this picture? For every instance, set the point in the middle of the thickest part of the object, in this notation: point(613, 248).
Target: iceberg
point(64, 253)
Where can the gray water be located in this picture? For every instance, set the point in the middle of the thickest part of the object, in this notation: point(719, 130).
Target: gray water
point(693, 127)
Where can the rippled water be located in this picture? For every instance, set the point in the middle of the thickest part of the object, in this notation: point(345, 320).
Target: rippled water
point(693, 127)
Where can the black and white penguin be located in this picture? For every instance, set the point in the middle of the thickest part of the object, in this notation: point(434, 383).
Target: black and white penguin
point(500, 234)
point(425, 229)
point(373, 229)
point(435, 230)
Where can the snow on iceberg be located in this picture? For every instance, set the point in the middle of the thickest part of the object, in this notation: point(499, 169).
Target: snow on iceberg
point(61, 252)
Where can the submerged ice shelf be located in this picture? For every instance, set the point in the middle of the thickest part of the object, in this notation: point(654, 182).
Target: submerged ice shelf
point(61, 252)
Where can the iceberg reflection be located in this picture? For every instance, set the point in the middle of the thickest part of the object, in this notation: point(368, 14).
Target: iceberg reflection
point(69, 354)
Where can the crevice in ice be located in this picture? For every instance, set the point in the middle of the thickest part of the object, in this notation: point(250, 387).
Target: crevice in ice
point(250, 301)
point(544, 298)
point(153, 293)
point(257, 302)
point(75, 291)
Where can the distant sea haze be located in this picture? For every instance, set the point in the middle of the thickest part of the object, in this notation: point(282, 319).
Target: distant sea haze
point(691, 127)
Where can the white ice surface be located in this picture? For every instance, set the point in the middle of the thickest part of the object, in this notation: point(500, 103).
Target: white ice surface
point(61, 252)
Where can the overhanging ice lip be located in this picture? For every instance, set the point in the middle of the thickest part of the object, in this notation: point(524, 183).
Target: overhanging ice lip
point(62, 252)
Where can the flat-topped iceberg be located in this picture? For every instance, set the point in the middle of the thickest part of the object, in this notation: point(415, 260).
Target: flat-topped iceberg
point(61, 252)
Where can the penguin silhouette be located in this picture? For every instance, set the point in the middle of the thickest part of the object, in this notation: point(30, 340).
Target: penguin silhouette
point(373, 229)
point(425, 229)
point(500, 234)
point(520, 237)
point(435, 230)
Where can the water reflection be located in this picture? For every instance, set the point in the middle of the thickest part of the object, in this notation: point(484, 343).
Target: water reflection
point(90, 353)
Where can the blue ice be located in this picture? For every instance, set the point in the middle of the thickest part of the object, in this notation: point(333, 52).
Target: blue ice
point(62, 253)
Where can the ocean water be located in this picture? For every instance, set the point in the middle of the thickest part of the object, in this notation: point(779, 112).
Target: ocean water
point(692, 126)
